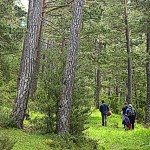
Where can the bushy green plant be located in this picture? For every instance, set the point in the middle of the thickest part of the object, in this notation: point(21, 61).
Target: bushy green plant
point(5, 119)
point(114, 104)
point(6, 143)
point(48, 92)
point(81, 107)
point(37, 123)
point(79, 119)
point(68, 141)
point(47, 107)
point(140, 114)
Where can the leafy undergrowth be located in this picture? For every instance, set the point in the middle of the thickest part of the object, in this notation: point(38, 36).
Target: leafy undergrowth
point(21, 140)
point(97, 137)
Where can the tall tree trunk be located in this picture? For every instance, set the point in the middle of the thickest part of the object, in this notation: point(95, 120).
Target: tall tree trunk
point(98, 87)
point(65, 103)
point(116, 90)
point(98, 48)
point(27, 61)
point(38, 55)
point(147, 114)
point(129, 84)
point(109, 88)
point(136, 97)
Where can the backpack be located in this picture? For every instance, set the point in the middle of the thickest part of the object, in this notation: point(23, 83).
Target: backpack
point(131, 112)
point(126, 121)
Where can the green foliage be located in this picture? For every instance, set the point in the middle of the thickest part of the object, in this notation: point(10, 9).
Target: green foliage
point(11, 33)
point(79, 119)
point(20, 12)
point(140, 114)
point(68, 141)
point(5, 142)
point(114, 104)
point(37, 123)
point(10, 27)
point(5, 119)
point(48, 92)
point(82, 103)
point(80, 112)
point(93, 11)
point(41, 122)
point(4, 70)
point(47, 97)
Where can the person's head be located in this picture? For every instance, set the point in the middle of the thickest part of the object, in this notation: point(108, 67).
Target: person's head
point(125, 103)
point(130, 105)
point(103, 101)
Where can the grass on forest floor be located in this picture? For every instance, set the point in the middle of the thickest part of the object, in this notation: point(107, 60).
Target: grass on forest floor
point(112, 137)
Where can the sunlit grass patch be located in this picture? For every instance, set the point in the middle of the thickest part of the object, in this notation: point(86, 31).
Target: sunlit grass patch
point(114, 136)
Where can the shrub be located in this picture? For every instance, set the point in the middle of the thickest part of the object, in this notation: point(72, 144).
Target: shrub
point(6, 143)
point(5, 119)
point(140, 114)
point(68, 141)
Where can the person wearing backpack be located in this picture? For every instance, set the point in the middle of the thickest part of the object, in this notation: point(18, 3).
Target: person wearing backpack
point(131, 113)
point(126, 122)
point(103, 108)
point(123, 112)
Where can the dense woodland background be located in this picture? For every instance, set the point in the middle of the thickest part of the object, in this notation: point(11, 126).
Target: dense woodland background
point(61, 58)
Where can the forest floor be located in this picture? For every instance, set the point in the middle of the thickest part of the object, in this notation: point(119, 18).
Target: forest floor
point(112, 137)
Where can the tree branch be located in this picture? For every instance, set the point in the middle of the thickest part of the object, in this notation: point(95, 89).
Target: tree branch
point(61, 6)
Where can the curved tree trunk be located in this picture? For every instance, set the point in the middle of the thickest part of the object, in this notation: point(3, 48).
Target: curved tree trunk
point(27, 61)
point(65, 104)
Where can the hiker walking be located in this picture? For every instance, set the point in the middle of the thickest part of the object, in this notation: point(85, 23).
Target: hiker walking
point(131, 113)
point(126, 122)
point(123, 112)
point(103, 108)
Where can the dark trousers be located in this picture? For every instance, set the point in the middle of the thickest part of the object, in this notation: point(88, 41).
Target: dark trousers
point(132, 120)
point(104, 120)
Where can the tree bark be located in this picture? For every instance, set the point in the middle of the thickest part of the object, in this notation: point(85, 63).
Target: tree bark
point(129, 83)
point(98, 87)
point(98, 48)
point(27, 61)
point(38, 55)
point(147, 113)
point(65, 103)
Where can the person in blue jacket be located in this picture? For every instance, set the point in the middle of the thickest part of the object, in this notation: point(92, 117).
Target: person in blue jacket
point(103, 108)
point(126, 122)
point(123, 112)
point(131, 113)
